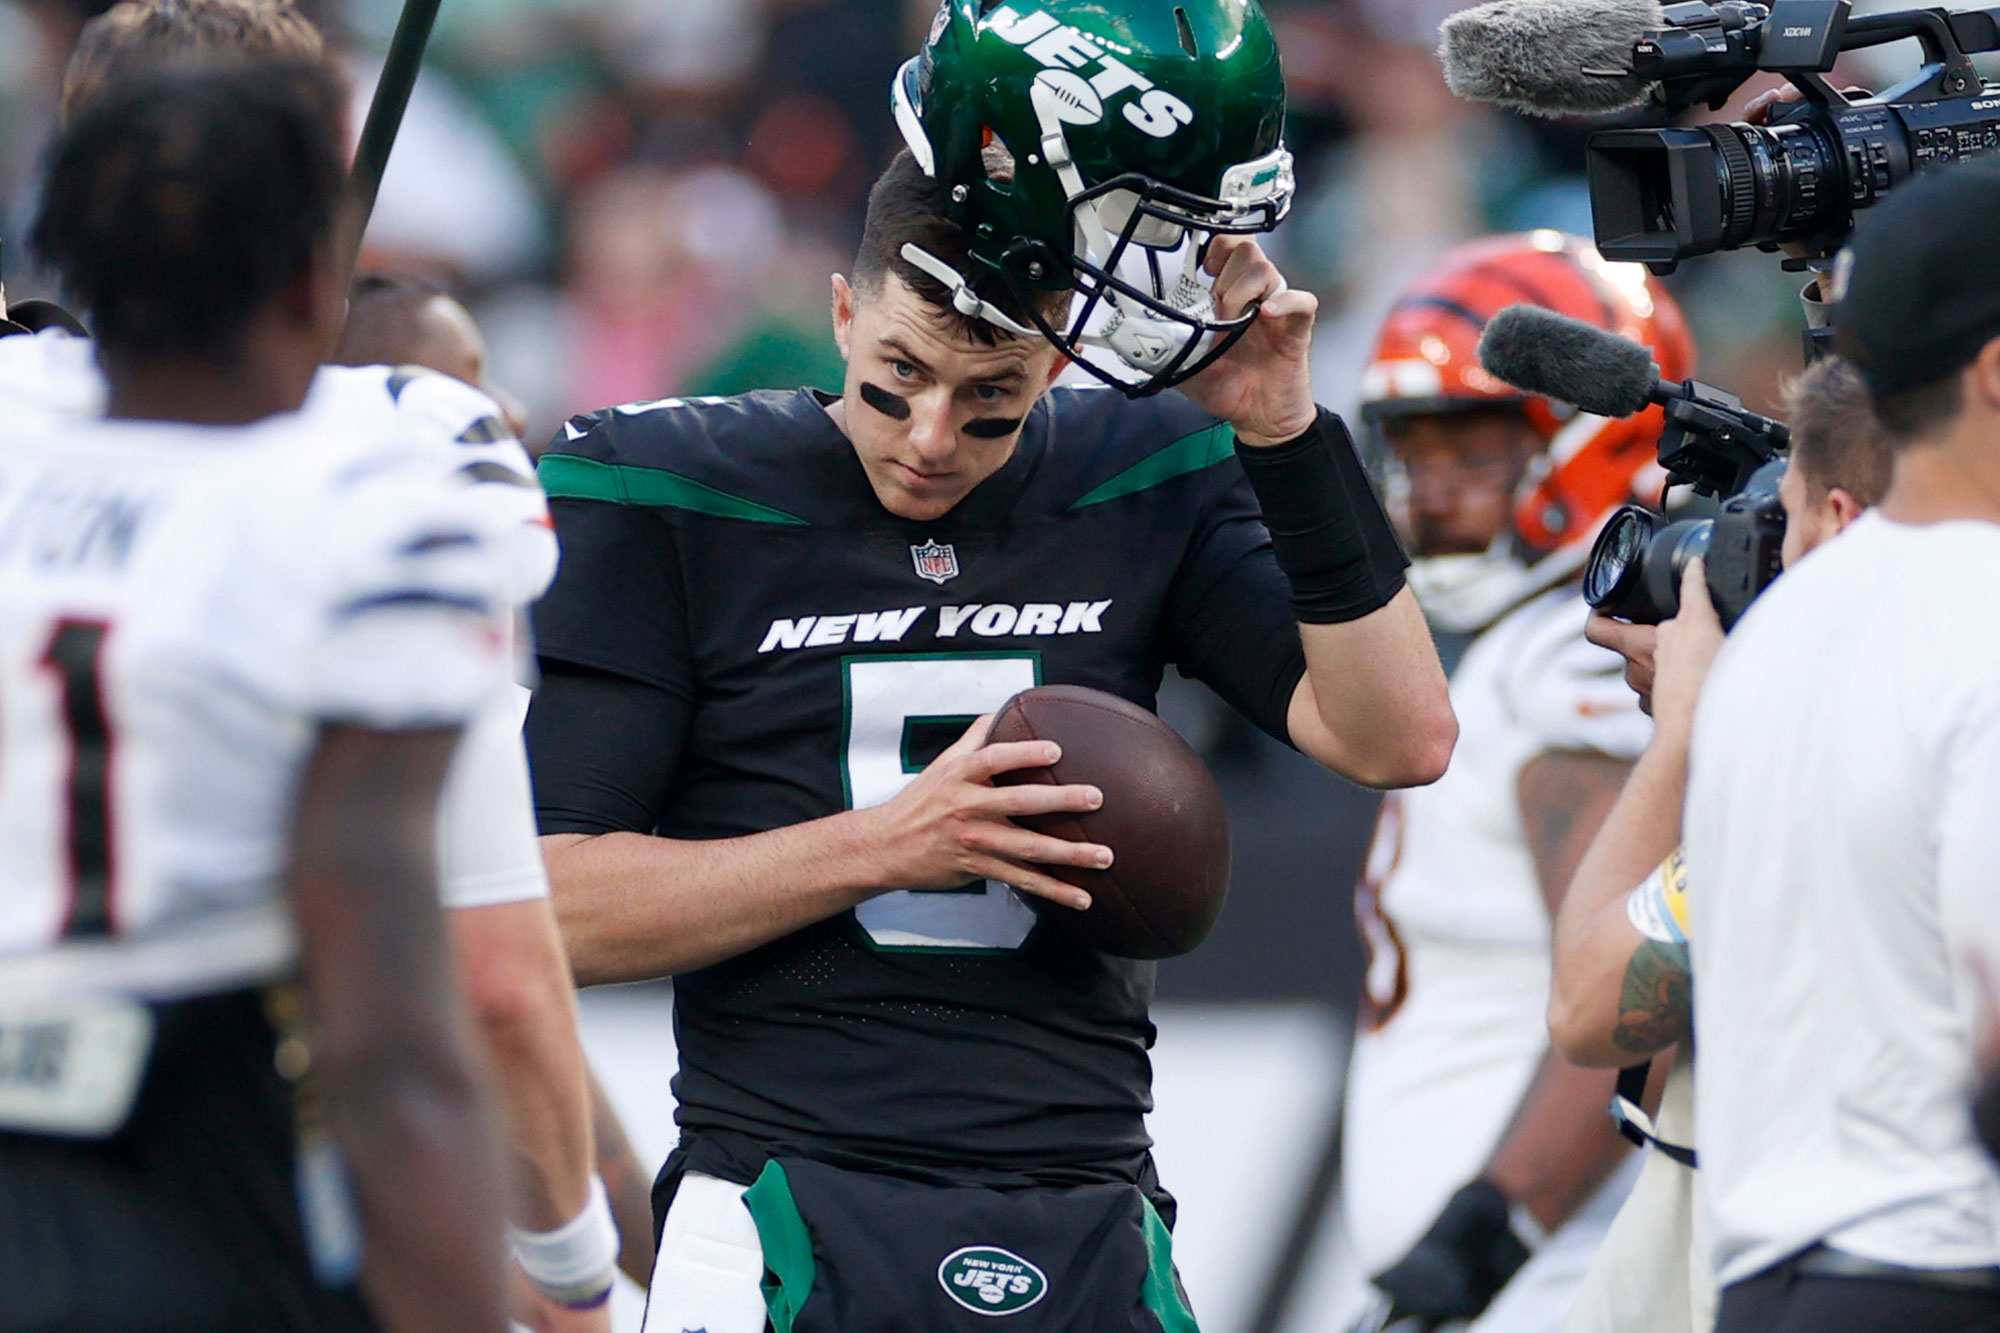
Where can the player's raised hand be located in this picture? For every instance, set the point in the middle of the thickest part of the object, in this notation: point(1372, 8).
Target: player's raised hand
point(951, 825)
point(1263, 385)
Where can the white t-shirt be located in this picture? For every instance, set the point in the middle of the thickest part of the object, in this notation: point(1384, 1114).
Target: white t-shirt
point(180, 608)
point(487, 848)
point(1843, 843)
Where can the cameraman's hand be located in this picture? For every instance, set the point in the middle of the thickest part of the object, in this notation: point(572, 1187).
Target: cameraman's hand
point(1634, 643)
point(1757, 111)
point(1687, 647)
point(951, 825)
point(1263, 385)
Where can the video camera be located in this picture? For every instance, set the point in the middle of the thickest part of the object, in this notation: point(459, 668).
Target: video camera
point(1659, 196)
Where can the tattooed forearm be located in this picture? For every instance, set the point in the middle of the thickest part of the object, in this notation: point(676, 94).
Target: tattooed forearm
point(1656, 1000)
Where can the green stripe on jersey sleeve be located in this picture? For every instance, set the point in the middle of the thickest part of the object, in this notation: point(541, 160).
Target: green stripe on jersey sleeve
point(1190, 453)
point(565, 476)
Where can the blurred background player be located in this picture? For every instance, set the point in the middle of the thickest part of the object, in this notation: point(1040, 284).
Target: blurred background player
point(235, 657)
point(402, 319)
point(1472, 1150)
point(509, 955)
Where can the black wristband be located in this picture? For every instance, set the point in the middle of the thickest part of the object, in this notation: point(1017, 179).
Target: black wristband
point(1329, 532)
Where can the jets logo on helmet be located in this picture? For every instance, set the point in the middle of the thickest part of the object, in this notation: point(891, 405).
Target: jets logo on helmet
point(1426, 361)
point(1097, 150)
point(1061, 48)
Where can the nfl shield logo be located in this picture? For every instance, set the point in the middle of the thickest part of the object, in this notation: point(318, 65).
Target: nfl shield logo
point(934, 562)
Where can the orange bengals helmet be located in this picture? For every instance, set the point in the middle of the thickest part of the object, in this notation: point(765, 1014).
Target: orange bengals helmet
point(1427, 363)
point(1426, 360)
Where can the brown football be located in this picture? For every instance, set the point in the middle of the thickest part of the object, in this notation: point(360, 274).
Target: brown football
point(1162, 818)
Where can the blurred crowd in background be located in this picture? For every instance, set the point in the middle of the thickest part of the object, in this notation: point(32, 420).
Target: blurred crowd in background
point(644, 198)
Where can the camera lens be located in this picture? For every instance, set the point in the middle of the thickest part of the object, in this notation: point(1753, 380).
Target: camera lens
point(1666, 559)
point(1635, 566)
point(1778, 182)
point(1613, 566)
point(1664, 195)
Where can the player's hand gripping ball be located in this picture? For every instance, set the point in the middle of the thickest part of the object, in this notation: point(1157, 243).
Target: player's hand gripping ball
point(1162, 818)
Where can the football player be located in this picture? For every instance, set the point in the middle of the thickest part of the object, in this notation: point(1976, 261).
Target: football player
point(236, 653)
point(399, 319)
point(503, 931)
point(1476, 1161)
point(781, 620)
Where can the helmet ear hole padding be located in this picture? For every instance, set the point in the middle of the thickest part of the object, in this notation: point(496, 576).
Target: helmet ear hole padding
point(997, 159)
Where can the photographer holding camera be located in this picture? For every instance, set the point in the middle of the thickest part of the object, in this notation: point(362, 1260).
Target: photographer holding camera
point(1840, 833)
point(1621, 983)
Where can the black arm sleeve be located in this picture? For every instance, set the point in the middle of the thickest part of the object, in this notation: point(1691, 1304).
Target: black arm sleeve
point(602, 750)
point(617, 603)
point(611, 716)
point(1229, 613)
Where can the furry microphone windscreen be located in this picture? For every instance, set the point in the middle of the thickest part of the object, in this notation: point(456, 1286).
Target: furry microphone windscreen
point(1541, 352)
point(1530, 55)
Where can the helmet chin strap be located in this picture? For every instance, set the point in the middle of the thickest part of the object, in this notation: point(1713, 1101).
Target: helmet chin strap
point(963, 299)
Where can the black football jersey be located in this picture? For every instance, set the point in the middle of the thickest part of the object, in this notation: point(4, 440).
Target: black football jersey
point(731, 555)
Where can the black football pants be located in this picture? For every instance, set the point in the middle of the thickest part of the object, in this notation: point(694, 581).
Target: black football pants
point(187, 1218)
point(1783, 1300)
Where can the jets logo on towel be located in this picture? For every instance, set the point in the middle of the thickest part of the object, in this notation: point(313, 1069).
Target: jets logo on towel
point(988, 1280)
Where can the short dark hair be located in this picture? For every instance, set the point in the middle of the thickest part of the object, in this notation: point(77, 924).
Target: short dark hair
point(1837, 438)
point(140, 35)
point(179, 205)
point(1926, 409)
point(382, 309)
point(908, 207)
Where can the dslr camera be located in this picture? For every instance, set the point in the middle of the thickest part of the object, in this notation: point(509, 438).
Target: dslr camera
point(1659, 196)
point(1713, 444)
point(1635, 567)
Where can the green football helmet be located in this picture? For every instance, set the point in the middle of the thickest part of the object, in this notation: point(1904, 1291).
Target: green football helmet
point(1096, 146)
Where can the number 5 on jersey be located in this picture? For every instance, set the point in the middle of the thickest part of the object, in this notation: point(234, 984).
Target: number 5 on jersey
point(888, 700)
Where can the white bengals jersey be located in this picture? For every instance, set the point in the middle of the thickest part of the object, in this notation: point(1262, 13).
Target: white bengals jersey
point(1457, 930)
point(487, 848)
point(180, 608)
point(53, 373)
